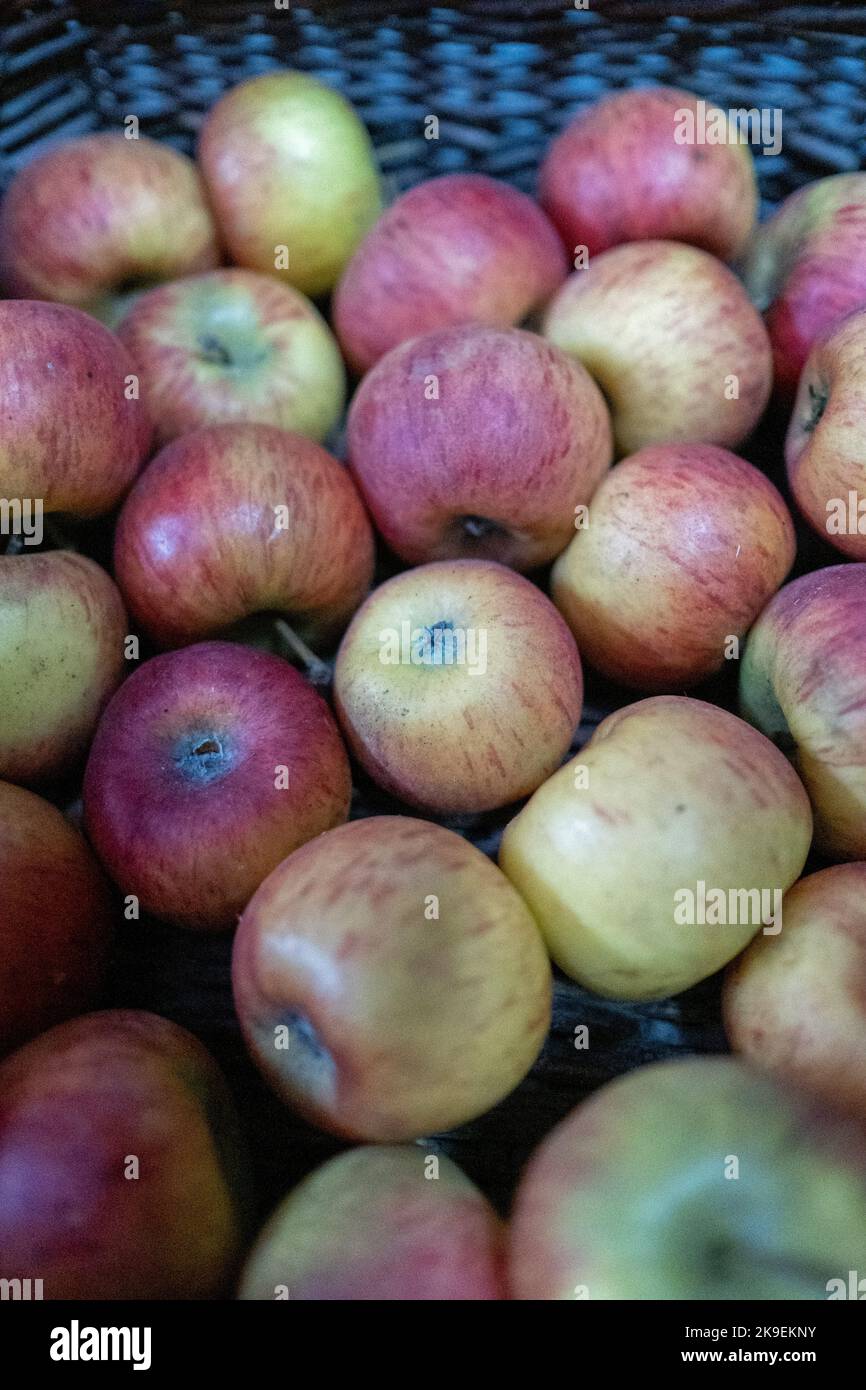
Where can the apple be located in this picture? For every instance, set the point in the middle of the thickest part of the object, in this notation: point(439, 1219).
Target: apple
point(55, 918)
point(462, 248)
point(803, 684)
point(675, 531)
point(386, 1222)
point(794, 1004)
point(806, 268)
point(669, 334)
point(825, 448)
point(75, 432)
point(94, 217)
point(691, 1179)
point(478, 442)
point(208, 767)
point(233, 345)
point(62, 631)
point(389, 981)
point(458, 686)
point(292, 177)
point(624, 170)
point(656, 854)
point(238, 519)
point(121, 1170)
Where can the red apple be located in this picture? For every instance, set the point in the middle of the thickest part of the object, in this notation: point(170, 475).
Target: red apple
point(389, 981)
point(94, 216)
point(463, 248)
point(675, 531)
point(74, 433)
point(121, 1169)
point(388, 1223)
point(624, 170)
point(233, 345)
point(62, 630)
point(478, 442)
point(55, 918)
point(458, 686)
point(807, 268)
point(239, 519)
point(209, 766)
point(671, 337)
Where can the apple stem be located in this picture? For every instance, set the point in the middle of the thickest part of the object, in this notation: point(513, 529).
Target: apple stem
point(318, 672)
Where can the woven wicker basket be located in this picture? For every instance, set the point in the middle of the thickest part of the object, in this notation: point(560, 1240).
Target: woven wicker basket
point(502, 78)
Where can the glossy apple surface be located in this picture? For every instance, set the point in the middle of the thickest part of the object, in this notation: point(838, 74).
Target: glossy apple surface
point(462, 248)
point(478, 443)
point(392, 1223)
point(675, 531)
point(208, 767)
point(389, 981)
point(672, 339)
point(669, 793)
point(121, 1173)
point(458, 686)
point(240, 519)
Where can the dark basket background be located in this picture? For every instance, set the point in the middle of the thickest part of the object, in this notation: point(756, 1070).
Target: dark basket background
point(502, 79)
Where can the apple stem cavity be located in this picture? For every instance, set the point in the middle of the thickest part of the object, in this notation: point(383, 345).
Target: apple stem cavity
point(203, 758)
point(318, 672)
point(212, 350)
point(480, 528)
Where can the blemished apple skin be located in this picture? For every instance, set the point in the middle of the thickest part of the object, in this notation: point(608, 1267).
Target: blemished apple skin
point(493, 468)
point(463, 248)
point(91, 215)
point(200, 543)
point(669, 334)
point(795, 1005)
point(806, 268)
point(232, 345)
point(447, 737)
point(82, 1104)
point(675, 530)
point(287, 162)
point(62, 630)
point(184, 800)
point(375, 1017)
point(673, 791)
point(825, 448)
point(371, 1224)
point(599, 1214)
point(803, 684)
point(71, 437)
point(616, 173)
point(56, 918)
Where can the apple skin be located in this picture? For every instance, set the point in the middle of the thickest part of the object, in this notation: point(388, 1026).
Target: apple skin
point(70, 436)
point(196, 547)
point(76, 1105)
point(494, 468)
point(662, 327)
point(794, 1004)
point(806, 268)
point(234, 346)
point(825, 448)
point(451, 737)
point(62, 630)
point(802, 684)
point(56, 918)
point(287, 162)
point(463, 248)
point(397, 1025)
point(90, 215)
point(191, 828)
point(675, 791)
point(617, 174)
point(674, 530)
point(631, 1195)
point(370, 1225)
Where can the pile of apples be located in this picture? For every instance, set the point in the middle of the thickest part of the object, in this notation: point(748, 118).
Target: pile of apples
point(168, 386)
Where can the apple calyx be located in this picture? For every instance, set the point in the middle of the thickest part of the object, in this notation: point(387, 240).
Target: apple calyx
point(204, 757)
point(819, 397)
point(213, 350)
